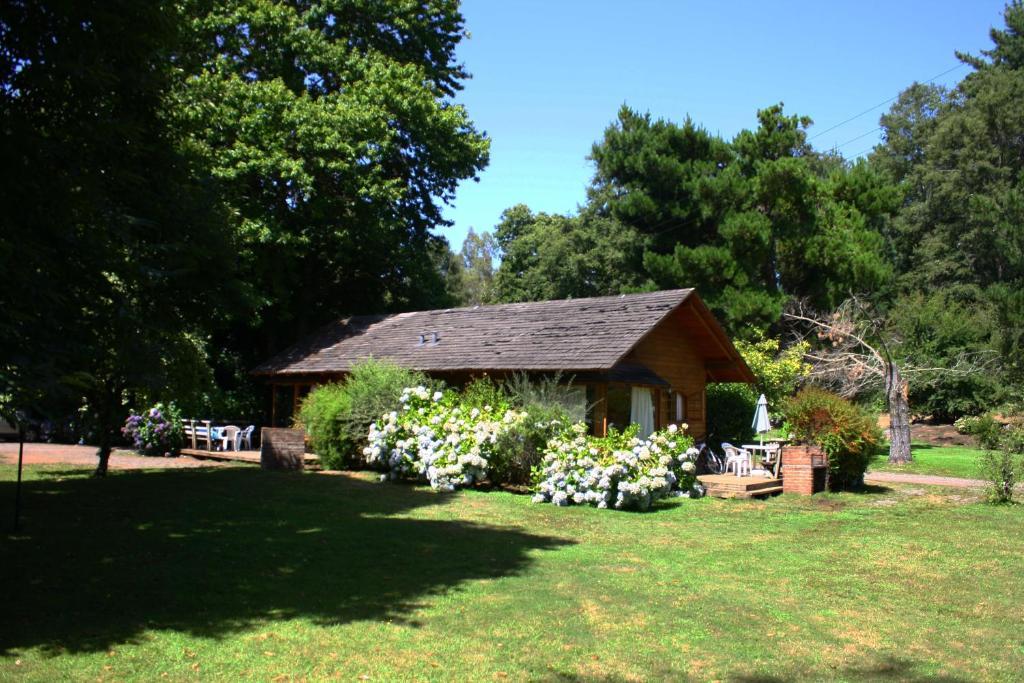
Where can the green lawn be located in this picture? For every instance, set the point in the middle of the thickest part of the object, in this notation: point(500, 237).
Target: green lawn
point(243, 574)
point(944, 461)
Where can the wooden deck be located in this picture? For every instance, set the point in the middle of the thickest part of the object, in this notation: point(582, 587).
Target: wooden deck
point(311, 460)
point(731, 486)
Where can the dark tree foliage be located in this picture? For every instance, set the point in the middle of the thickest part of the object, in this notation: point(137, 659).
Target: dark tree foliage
point(111, 249)
point(197, 184)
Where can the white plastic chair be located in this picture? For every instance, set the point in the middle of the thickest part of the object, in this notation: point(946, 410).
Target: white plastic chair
point(244, 436)
point(229, 436)
point(736, 458)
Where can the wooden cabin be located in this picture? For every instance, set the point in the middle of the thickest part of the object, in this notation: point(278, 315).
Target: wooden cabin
point(643, 358)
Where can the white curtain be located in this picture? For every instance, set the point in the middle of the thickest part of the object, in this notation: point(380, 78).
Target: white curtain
point(641, 410)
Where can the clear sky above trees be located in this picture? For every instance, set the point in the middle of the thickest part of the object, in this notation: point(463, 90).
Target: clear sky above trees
point(549, 77)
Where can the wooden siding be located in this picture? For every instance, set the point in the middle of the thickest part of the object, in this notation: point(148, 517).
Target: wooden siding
point(668, 351)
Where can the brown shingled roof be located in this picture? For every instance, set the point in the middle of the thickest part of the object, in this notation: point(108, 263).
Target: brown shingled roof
point(571, 334)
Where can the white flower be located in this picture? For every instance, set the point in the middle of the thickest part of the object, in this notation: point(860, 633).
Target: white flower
point(437, 396)
point(672, 429)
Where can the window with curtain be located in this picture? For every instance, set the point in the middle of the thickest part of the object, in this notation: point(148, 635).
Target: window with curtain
point(641, 410)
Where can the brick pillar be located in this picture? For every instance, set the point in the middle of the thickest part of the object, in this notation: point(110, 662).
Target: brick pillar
point(282, 449)
point(804, 470)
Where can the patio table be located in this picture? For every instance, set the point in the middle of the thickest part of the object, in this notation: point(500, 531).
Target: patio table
point(759, 450)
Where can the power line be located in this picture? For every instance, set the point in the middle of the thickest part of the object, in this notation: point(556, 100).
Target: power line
point(881, 104)
point(844, 144)
point(866, 149)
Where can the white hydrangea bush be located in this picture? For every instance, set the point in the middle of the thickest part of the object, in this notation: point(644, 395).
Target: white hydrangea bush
point(432, 438)
point(617, 471)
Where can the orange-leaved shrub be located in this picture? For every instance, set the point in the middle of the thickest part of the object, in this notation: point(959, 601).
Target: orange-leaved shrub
point(847, 434)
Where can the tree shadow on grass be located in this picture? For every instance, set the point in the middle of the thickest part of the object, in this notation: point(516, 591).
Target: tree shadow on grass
point(871, 490)
point(211, 552)
point(885, 669)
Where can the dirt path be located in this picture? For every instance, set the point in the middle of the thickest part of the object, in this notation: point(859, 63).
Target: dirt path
point(85, 456)
point(900, 478)
point(933, 434)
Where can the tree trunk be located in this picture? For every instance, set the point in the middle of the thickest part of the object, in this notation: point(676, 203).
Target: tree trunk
point(104, 457)
point(899, 415)
point(107, 418)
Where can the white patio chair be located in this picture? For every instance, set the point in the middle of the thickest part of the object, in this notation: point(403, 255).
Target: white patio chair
point(738, 459)
point(229, 437)
point(244, 436)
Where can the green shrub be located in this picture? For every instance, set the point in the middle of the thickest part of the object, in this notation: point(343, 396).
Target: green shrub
point(846, 433)
point(521, 449)
point(1000, 468)
point(730, 413)
point(483, 392)
point(1012, 439)
point(338, 416)
point(548, 392)
point(1002, 461)
point(551, 407)
point(988, 431)
point(968, 424)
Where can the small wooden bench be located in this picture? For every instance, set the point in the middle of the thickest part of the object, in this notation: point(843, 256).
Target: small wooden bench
point(198, 432)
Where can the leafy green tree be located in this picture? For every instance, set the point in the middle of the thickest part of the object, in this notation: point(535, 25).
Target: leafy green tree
point(477, 256)
point(547, 256)
point(939, 330)
point(751, 223)
point(332, 134)
point(958, 159)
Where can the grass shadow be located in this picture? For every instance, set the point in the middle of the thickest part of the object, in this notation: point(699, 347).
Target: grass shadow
point(210, 552)
point(871, 490)
point(885, 669)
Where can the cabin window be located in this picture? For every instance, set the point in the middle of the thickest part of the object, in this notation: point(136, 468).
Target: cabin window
point(680, 407)
point(618, 406)
point(576, 401)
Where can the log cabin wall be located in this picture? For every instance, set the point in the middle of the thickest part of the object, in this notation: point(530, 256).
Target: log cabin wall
point(667, 351)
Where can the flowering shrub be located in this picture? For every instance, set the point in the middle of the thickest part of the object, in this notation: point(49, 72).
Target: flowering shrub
point(336, 416)
point(156, 431)
point(846, 433)
point(968, 424)
point(618, 470)
point(432, 438)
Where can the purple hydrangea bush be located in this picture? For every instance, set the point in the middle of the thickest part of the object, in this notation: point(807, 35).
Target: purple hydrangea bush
point(156, 431)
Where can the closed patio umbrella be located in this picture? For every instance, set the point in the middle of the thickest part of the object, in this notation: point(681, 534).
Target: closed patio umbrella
point(761, 423)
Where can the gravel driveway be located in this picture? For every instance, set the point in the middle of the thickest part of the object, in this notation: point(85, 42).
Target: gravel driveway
point(85, 456)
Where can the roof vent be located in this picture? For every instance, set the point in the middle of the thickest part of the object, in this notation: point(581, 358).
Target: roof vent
point(422, 341)
point(436, 339)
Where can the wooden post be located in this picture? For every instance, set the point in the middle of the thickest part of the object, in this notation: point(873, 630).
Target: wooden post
point(601, 409)
point(273, 405)
point(295, 401)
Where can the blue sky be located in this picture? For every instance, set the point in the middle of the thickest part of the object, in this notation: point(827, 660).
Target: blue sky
point(548, 77)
